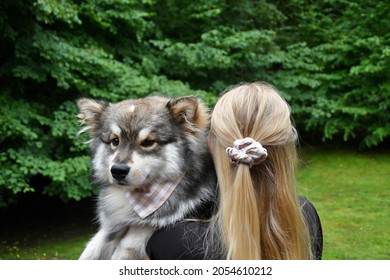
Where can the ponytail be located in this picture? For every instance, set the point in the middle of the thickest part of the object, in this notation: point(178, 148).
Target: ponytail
point(259, 215)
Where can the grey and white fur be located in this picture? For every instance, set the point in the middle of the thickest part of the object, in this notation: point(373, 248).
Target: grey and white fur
point(136, 143)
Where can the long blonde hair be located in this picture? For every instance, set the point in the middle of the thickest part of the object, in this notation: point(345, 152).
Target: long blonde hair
point(259, 216)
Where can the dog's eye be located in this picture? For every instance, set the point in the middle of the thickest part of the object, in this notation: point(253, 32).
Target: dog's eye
point(114, 142)
point(148, 143)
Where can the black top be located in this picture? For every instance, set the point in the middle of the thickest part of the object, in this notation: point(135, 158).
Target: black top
point(184, 240)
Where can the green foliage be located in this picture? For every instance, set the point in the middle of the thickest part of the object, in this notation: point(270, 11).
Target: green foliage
point(328, 58)
point(345, 91)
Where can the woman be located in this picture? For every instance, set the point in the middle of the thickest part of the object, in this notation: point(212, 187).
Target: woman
point(253, 144)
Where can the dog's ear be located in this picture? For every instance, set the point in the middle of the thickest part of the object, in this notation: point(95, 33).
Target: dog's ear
point(90, 113)
point(189, 112)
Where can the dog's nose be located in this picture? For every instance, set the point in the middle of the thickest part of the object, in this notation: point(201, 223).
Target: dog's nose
point(119, 171)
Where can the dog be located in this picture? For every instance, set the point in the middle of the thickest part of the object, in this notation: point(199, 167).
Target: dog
point(139, 144)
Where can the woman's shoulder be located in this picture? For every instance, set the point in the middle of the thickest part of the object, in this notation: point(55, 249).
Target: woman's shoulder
point(314, 223)
point(308, 210)
point(182, 241)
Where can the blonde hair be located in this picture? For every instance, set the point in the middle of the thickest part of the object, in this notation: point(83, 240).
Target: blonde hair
point(259, 216)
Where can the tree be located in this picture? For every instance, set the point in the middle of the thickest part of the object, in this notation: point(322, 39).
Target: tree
point(328, 58)
point(339, 70)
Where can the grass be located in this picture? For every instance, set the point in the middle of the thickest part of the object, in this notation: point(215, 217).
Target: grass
point(60, 249)
point(46, 229)
point(350, 191)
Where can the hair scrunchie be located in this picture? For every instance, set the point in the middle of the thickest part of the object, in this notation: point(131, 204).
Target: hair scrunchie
point(247, 151)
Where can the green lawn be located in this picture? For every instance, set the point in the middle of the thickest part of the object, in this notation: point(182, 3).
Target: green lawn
point(350, 191)
point(64, 249)
point(51, 242)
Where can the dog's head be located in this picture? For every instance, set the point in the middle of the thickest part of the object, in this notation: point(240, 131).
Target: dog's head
point(139, 142)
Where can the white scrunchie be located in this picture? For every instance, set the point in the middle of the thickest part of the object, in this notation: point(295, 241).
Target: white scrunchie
point(247, 151)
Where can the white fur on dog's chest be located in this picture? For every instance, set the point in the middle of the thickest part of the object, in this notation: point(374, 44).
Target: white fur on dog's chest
point(115, 205)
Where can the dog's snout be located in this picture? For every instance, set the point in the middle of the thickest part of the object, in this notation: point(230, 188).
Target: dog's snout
point(119, 171)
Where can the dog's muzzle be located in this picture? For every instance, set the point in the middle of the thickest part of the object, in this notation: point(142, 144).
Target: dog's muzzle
point(119, 171)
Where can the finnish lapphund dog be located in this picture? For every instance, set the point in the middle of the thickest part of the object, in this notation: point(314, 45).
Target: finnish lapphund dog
point(150, 159)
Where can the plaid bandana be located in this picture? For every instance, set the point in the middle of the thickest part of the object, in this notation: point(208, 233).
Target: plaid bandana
point(146, 203)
